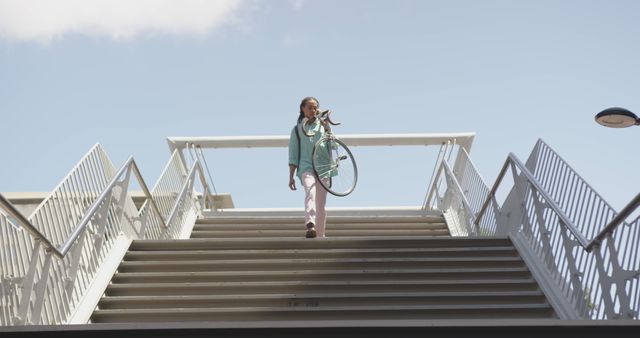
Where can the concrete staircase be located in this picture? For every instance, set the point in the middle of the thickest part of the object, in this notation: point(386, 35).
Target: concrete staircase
point(376, 268)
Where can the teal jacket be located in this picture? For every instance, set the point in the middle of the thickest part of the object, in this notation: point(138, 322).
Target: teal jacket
point(300, 154)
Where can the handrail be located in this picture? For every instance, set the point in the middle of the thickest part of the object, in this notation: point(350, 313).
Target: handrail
point(586, 244)
point(512, 159)
point(464, 140)
point(105, 192)
point(615, 222)
point(26, 224)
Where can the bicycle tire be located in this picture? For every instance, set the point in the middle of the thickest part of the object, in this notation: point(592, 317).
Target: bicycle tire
point(334, 166)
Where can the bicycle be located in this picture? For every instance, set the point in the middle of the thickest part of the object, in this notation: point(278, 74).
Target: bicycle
point(333, 163)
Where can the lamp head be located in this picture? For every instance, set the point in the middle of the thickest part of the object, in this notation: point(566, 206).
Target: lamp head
point(617, 118)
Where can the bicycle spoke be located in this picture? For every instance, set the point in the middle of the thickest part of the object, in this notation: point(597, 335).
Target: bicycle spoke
point(332, 160)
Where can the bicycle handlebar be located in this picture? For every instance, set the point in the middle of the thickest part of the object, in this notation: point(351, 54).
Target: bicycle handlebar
point(326, 115)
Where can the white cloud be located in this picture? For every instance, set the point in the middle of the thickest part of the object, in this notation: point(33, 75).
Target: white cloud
point(44, 20)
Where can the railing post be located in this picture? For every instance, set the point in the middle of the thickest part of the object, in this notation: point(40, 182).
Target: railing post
point(433, 189)
point(617, 276)
point(144, 220)
point(27, 286)
point(75, 262)
point(605, 283)
point(543, 233)
point(124, 186)
point(100, 222)
point(434, 176)
point(40, 289)
point(513, 210)
point(582, 296)
point(620, 277)
point(191, 191)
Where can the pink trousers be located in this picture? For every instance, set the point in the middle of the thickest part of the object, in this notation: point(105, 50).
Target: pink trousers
point(314, 202)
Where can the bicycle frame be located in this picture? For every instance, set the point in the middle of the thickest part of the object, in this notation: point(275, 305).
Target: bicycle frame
point(321, 116)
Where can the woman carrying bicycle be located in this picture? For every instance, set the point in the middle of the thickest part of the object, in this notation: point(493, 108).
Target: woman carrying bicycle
point(300, 161)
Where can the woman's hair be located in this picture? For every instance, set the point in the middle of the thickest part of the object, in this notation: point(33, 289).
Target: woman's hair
point(303, 103)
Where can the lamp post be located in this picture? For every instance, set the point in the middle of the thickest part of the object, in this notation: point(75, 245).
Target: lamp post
point(617, 118)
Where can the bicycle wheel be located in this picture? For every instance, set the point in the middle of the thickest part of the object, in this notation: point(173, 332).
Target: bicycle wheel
point(334, 166)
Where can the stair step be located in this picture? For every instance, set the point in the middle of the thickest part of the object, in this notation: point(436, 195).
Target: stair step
point(323, 299)
point(298, 226)
point(457, 311)
point(336, 274)
point(330, 232)
point(511, 284)
point(330, 220)
point(226, 254)
point(317, 243)
point(317, 263)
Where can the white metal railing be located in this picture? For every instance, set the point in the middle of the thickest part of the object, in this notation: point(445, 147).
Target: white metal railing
point(448, 196)
point(458, 202)
point(446, 149)
point(446, 141)
point(15, 255)
point(592, 255)
point(44, 288)
point(594, 263)
point(78, 223)
point(172, 193)
point(464, 140)
point(459, 192)
point(197, 154)
point(473, 185)
point(588, 211)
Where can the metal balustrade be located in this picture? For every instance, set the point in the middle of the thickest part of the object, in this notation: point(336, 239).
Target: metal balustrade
point(46, 288)
point(14, 263)
point(447, 195)
point(472, 184)
point(79, 223)
point(459, 193)
point(165, 193)
point(591, 254)
point(580, 202)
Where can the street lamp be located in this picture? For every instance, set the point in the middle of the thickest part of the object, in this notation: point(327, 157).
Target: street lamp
point(617, 118)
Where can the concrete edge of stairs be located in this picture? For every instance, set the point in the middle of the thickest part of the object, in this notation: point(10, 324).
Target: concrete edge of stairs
point(347, 328)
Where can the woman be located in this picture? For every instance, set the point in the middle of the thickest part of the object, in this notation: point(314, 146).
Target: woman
point(300, 150)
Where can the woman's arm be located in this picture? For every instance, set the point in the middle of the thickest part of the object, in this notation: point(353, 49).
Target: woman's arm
point(294, 151)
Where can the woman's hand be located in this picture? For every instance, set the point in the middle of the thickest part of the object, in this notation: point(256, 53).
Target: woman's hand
point(292, 171)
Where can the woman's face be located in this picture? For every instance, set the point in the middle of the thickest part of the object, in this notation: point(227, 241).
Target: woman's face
point(309, 109)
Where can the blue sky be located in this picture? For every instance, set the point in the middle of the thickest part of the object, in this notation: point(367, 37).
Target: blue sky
point(511, 71)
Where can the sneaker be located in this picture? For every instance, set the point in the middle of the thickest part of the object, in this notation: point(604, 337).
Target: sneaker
point(311, 231)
